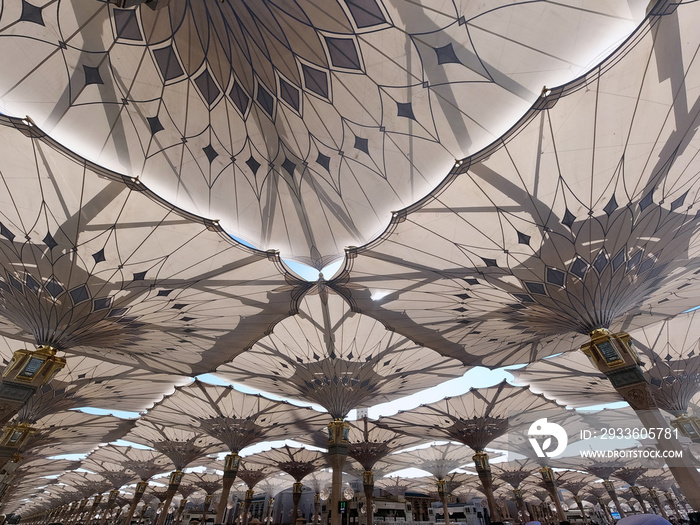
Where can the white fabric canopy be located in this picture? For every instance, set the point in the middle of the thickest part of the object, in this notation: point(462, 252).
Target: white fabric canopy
point(300, 125)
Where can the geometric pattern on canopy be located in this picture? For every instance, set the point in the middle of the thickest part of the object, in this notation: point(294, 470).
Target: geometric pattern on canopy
point(272, 486)
point(342, 360)
point(114, 472)
point(438, 460)
point(475, 418)
point(85, 483)
point(93, 264)
point(236, 419)
point(669, 348)
point(516, 471)
point(209, 483)
point(73, 432)
point(369, 443)
point(145, 463)
point(182, 447)
point(582, 216)
point(297, 462)
point(574, 481)
point(300, 128)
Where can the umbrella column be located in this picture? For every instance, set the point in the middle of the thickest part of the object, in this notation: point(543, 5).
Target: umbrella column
point(317, 507)
point(655, 498)
point(113, 494)
point(180, 510)
point(231, 465)
point(551, 486)
point(368, 485)
point(95, 503)
point(614, 356)
point(79, 511)
point(173, 485)
point(207, 504)
point(270, 505)
point(246, 505)
point(141, 487)
point(520, 503)
point(296, 498)
point(606, 510)
point(610, 487)
point(579, 503)
point(672, 502)
point(338, 432)
point(483, 469)
point(637, 493)
point(442, 494)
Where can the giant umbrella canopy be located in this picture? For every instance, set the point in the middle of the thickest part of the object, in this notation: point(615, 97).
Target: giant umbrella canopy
point(237, 420)
point(438, 460)
point(579, 220)
point(341, 360)
point(145, 463)
point(91, 382)
point(368, 444)
point(671, 351)
point(297, 462)
point(300, 128)
point(252, 474)
point(67, 432)
point(92, 263)
point(475, 419)
point(582, 217)
point(182, 447)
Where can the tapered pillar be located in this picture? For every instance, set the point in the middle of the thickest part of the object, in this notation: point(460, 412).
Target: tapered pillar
point(610, 487)
point(79, 511)
point(113, 494)
point(180, 510)
point(442, 494)
point(317, 507)
point(551, 486)
point(581, 508)
point(138, 494)
point(530, 511)
point(117, 514)
point(483, 469)
point(270, 506)
point(142, 514)
point(605, 510)
point(207, 504)
point(614, 355)
point(520, 503)
point(368, 485)
point(296, 498)
point(231, 464)
point(173, 485)
point(95, 503)
point(655, 498)
point(338, 431)
point(68, 511)
point(637, 493)
point(246, 506)
point(672, 503)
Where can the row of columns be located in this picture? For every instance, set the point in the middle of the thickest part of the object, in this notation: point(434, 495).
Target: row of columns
point(76, 511)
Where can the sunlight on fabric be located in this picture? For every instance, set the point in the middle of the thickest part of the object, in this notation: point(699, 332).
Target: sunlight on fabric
point(310, 273)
